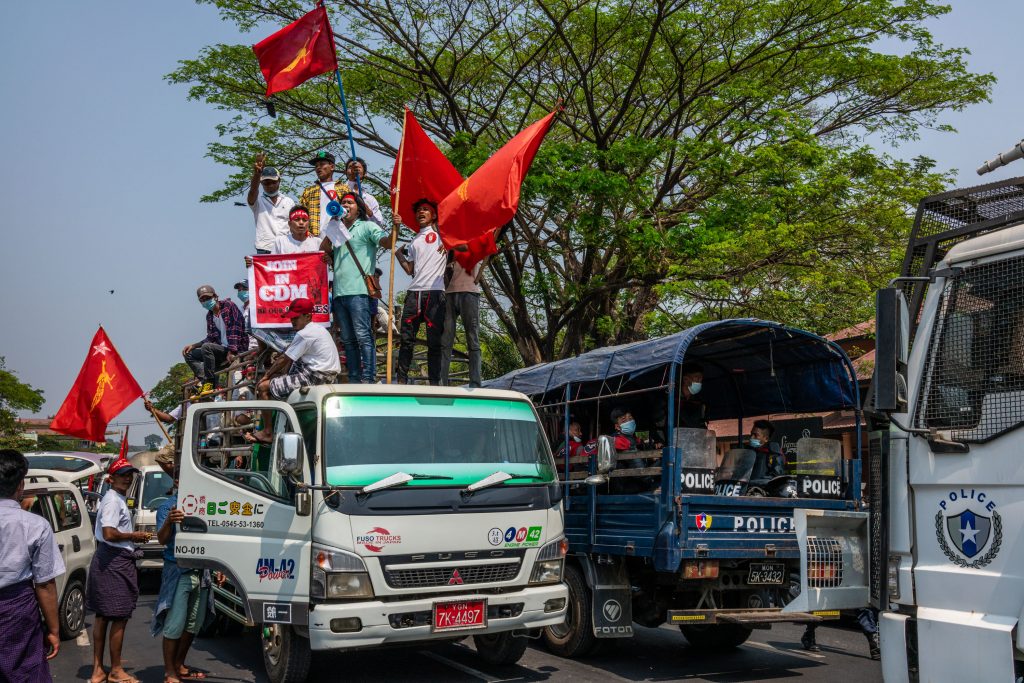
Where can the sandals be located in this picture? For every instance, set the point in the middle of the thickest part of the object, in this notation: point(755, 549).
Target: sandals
point(192, 675)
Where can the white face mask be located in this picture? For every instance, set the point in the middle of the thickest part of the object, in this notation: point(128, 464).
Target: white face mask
point(271, 194)
point(577, 439)
point(695, 387)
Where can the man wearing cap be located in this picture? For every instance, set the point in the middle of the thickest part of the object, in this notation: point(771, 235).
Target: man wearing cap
point(269, 207)
point(181, 606)
point(113, 579)
point(424, 259)
point(355, 169)
point(313, 197)
point(311, 359)
point(30, 561)
point(225, 337)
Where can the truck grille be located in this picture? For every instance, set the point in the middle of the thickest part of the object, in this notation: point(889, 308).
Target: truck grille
point(446, 576)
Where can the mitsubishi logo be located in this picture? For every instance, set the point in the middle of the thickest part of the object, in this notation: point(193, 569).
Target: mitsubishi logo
point(456, 579)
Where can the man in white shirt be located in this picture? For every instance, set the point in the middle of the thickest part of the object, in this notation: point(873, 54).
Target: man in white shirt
point(424, 259)
point(269, 207)
point(355, 169)
point(113, 579)
point(311, 359)
point(297, 240)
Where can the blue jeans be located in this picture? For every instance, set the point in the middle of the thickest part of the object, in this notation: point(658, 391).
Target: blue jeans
point(352, 313)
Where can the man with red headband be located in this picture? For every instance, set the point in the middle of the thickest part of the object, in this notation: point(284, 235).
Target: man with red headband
point(352, 243)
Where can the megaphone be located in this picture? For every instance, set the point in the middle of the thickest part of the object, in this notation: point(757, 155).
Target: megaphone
point(333, 208)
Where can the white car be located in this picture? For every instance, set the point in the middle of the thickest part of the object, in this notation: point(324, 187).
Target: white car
point(63, 506)
point(148, 492)
point(83, 469)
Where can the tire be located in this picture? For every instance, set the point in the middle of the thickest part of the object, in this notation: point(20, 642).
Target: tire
point(574, 638)
point(71, 611)
point(286, 654)
point(500, 648)
point(716, 637)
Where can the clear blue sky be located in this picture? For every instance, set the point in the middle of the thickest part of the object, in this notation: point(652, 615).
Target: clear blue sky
point(103, 164)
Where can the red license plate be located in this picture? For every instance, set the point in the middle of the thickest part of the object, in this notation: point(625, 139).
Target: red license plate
point(455, 616)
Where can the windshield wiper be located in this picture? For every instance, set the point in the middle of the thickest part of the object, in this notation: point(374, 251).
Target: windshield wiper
point(398, 479)
point(496, 479)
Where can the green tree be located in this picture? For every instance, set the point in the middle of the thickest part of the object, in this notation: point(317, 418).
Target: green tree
point(710, 160)
point(15, 395)
point(153, 441)
point(166, 395)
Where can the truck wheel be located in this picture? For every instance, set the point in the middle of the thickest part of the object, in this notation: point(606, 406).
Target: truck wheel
point(72, 610)
point(500, 648)
point(716, 636)
point(286, 655)
point(575, 637)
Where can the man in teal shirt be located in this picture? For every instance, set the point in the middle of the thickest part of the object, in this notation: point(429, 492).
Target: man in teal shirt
point(353, 240)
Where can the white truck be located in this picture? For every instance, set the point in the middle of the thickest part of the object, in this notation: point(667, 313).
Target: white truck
point(378, 515)
point(947, 481)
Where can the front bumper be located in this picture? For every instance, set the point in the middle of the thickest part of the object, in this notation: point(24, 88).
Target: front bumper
point(379, 618)
point(152, 557)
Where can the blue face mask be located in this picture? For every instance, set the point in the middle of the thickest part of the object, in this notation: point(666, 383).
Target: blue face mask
point(243, 296)
point(628, 427)
point(755, 443)
point(208, 304)
point(271, 194)
point(695, 388)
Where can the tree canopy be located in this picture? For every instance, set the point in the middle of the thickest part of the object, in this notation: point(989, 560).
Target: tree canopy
point(166, 395)
point(710, 160)
point(15, 395)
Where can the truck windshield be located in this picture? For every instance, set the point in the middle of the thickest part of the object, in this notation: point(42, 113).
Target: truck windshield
point(462, 440)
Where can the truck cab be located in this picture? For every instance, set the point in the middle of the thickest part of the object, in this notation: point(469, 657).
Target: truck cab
point(377, 515)
point(948, 495)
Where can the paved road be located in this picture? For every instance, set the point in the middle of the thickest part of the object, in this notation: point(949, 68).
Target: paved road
point(659, 654)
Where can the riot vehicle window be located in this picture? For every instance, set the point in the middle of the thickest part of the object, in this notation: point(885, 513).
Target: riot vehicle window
point(974, 382)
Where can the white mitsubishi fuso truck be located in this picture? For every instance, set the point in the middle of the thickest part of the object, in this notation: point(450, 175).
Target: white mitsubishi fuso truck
point(947, 475)
point(377, 515)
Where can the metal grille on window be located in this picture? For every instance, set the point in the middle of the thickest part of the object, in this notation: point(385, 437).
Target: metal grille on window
point(875, 514)
point(974, 383)
point(442, 576)
point(824, 562)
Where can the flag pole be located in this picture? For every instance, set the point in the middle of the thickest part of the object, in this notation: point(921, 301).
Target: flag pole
point(394, 239)
point(160, 424)
point(341, 92)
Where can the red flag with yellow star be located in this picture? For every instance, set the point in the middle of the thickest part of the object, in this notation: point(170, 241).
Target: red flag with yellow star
point(298, 52)
point(103, 389)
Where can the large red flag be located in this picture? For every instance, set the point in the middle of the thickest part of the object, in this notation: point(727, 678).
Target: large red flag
point(489, 198)
point(298, 52)
point(103, 389)
point(421, 172)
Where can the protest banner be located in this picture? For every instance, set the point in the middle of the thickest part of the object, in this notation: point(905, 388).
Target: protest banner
point(275, 280)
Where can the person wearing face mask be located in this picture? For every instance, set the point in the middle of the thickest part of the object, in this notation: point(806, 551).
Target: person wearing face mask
point(310, 359)
point(770, 462)
point(225, 337)
point(693, 412)
point(269, 206)
point(626, 442)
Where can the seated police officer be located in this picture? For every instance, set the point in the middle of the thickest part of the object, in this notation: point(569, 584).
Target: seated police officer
point(770, 461)
point(693, 412)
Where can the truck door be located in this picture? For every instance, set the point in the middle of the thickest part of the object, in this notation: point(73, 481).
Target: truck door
point(240, 514)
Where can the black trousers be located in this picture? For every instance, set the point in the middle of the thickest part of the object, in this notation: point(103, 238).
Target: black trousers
point(205, 359)
point(422, 307)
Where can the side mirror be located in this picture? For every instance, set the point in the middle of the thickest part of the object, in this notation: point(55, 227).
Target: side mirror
point(605, 454)
point(891, 342)
point(288, 447)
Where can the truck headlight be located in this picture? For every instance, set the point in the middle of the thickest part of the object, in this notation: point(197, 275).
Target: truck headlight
point(549, 563)
point(336, 574)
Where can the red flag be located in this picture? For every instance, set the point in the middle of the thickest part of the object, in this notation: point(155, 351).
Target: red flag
point(421, 171)
point(103, 389)
point(298, 52)
point(124, 445)
point(490, 197)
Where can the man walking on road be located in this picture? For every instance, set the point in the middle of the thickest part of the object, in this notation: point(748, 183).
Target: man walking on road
point(181, 606)
point(30, 561)
point(113, 579)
